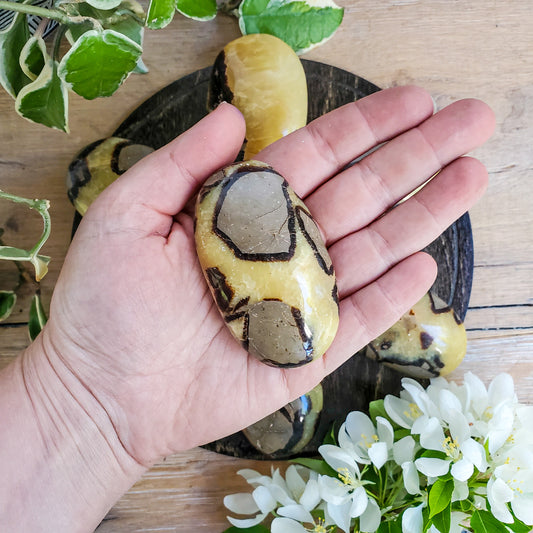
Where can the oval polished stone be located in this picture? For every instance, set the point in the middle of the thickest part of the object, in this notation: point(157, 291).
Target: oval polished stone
point(289, 430)
point(428, 341)
point(263, 77)
point(97, 166)
point(266, 265)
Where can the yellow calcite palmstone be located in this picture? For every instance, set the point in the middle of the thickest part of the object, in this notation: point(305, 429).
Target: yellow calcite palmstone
point(263, 77)
point(428, 341)
point(266, 265)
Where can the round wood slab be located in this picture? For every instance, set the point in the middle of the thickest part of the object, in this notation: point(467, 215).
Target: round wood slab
point(360, 380)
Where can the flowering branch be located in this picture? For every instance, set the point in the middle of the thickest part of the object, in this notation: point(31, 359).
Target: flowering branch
point(449, 458)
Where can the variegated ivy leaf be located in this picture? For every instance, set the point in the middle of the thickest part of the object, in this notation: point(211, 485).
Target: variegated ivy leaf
point(12, 40)
point(45, 100)
point(197, 9)
point(104, 4)
point(33, 57)
point(160, 13)
point(98, 63)
point(7, 303)
point(37, 318)
point(302, 24)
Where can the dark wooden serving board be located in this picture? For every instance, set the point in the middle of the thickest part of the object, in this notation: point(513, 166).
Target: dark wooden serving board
point(181, 104)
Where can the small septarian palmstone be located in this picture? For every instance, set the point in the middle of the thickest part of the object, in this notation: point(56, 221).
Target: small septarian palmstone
point(98, 165)
point(428, 341)
point(266, 265)
point(289, 430)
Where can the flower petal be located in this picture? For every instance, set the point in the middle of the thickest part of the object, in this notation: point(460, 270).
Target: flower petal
point(339, 459)
point(400, 411)
point(475, 453)
point(359, 502)
point(264, 499)
point(385, 431)
point(523, 508)
point(340, 514)
point(411, 481)
point(296, 512)
point(311, 496)
point(333, 491)
point(286, 525)
point(241, 503)
point(404, 450)
point(432, 437)
point(295, 482)
point(499, 494)
point(246, 522)
point(501, 389)
point(371, 518)
point(412, 520)
point(432, 467)
point(378, 454)
point(462, 470)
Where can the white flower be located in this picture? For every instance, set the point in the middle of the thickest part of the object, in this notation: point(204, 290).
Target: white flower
point(462, 451)
point(366, 442)
point(512, 483)
point(492, 412)
point(345, 496)
point(297, 493)
point(404, 453)
point(295, 523)
point(413, 521)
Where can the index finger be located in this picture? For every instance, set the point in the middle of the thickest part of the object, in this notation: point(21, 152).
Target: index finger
point(311, 155)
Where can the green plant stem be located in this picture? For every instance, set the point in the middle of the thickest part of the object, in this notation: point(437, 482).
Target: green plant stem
point(54, 14)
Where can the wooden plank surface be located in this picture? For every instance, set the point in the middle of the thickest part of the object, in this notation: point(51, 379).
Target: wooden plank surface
point(454, 49)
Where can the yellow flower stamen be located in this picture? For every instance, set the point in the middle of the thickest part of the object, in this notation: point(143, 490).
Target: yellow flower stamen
point(451, 447)
point(346, 476)
point(414, 412)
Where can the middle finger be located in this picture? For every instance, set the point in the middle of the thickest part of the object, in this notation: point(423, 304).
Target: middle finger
point(361, 193)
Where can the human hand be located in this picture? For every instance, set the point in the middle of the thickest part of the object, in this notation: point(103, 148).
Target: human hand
point(132, 320)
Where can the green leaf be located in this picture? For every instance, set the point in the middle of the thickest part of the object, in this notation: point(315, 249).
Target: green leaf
point(377, 408)
point(11, 253)
point(33, 57)
point(197, 9)
point(45, 100)
point(7, 302)
point(12, 40)
point(443, 520)
point(99, 62)
point(37, 318)
point(104, 4)
point(484, 522)
point(440, 496)
point(317, 465)
point(301, 24)
point(391, 526)
point(433, 454)
point(160, 13)
point(260, 528)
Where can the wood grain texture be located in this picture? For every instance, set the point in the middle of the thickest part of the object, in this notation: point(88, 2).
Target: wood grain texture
point(453, 49)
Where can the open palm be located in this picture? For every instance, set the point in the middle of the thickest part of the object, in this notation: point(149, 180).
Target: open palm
point(132, 317)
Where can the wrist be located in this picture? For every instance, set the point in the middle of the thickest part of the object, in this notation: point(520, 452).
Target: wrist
point(64, 463)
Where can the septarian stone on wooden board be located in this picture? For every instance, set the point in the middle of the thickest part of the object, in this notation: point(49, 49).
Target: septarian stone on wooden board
point(266, 265)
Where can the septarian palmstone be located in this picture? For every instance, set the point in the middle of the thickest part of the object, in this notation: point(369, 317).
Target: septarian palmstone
point(264, 78)
point(428, 341)
point(289, 430)
point(266, 265)
point(98, 165)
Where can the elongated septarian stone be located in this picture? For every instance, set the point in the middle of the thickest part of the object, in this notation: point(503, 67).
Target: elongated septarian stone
point(289, 430)
point(428, 341)
point(266, 265)
point(264, 78)
point(97, 166)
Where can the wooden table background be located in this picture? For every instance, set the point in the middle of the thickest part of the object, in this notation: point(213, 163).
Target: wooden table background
point(454, 49)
